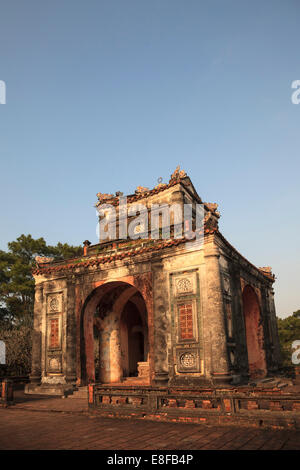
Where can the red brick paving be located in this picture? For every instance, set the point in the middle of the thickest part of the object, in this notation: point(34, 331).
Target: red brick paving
point(54, 423)
point(25, 429)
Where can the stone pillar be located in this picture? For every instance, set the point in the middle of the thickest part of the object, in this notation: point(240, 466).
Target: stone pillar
point(110, 350)
point(86, 245)
point(214, 317)
point(161, 325)
point(266, 320)
point(275, 338)
point(36, 358)
point(70, 360)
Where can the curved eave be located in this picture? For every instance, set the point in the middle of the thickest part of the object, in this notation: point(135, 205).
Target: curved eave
point(270, 277)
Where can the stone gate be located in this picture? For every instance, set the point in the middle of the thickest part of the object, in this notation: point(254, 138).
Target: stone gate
point(161, 311)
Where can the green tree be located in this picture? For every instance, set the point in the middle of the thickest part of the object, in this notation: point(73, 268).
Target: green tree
point(289, 331)
point(16, 281)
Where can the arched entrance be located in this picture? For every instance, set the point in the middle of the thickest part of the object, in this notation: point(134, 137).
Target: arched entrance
point(254, 333)
point(114, 335)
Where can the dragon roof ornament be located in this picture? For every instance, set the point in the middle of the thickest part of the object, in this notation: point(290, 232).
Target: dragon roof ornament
point(178, 174)
point(43, 259)
point(104, 197)
point(141, 191)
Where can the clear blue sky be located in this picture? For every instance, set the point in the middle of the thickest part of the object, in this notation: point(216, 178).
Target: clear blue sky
point(107, 95)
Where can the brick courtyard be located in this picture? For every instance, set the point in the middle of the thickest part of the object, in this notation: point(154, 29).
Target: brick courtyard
point(31, 425)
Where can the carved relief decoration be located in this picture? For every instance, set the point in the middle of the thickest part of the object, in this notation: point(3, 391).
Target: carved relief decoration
point(104, 197)
point(229, 319)
point(188, 360)
point(141, 189)
point(54, 303)
point(184, 285)
point(226, 285)
point(178, 174)
point(54, 364)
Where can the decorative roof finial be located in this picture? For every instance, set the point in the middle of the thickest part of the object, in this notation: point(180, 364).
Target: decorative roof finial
point(86, 245)
point(103, 196)
point(178, 174)
point(141, 189)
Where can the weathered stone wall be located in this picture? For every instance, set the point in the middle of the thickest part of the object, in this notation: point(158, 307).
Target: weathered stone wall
point(243, 274)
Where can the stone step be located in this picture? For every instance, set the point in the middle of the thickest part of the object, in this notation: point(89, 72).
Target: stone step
point(134, 381)
point(267, 379)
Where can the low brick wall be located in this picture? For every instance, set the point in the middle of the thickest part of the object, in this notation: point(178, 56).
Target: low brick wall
point(244, 406)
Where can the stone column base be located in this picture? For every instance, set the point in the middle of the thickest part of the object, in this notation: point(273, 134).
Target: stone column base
point(71, 379)
point(186, 381)
point(161, 379)
point(61, 390)
point(238, 379)
point(221, 378)
point(35, 378)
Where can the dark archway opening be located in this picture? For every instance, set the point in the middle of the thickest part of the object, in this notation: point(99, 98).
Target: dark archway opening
point(133, 338)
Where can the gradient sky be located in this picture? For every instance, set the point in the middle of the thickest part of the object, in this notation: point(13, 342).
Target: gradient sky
point(109, 95)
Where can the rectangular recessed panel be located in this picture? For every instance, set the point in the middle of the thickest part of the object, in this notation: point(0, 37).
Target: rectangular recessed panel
point(54, 333)
point(186, 321)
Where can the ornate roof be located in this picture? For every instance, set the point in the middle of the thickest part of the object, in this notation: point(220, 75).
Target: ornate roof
point(115, 250)
point(141, 192)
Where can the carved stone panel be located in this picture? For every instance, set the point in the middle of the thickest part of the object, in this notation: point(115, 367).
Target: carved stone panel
point(54, 303)
point(226, 284)
point(188, 360)
point(54, 364)
point(229, 319)
point(184, 284)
